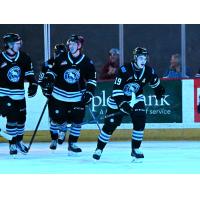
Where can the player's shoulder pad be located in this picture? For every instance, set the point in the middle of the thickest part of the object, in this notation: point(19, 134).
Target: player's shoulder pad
point(88, 60)
point(124, 68)
point(150, 69)
point(25, 55)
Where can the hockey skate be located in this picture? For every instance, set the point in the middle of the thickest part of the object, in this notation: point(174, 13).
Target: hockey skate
point(21, 147)
point(73, 149)
point(13, 149)
point(61, 137)
point(97, 154)
point(137, 155)
point(53, 145)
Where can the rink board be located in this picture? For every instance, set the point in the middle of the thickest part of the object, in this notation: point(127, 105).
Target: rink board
point(181, 110)
point(125, 135)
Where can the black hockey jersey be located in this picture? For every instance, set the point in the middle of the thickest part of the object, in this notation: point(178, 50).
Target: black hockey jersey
point(131, 81)
point(13, 73)
point(72, 77)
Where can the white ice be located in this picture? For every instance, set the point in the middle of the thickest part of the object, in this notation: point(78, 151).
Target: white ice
point(182, 157)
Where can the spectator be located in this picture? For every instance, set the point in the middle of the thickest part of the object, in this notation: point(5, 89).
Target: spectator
point(109, 70)
point(174, 70)
point(197, 75)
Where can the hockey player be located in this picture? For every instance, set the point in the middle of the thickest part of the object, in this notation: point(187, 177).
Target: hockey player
point(57, 51)
point(74, 79)
point(127, 99)
point(15, 68)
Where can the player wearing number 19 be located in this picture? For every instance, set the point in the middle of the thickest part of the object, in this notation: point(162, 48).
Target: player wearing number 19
point(127, 99)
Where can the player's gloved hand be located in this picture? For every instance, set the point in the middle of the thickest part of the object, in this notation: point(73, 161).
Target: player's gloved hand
point(126, 108)
point(87, 98)
point(159, 92)
point(47, 87)
point(32, 89)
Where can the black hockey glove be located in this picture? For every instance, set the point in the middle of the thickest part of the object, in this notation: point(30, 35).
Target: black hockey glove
point(47, 87)
point(159, 92)
point(32, 89)
point(87, 98)
point(126, 108)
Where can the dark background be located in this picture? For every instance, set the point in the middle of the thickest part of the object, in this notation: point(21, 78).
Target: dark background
point(162, 40)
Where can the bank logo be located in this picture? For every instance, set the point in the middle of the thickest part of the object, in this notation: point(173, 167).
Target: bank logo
point(131, 88)
point(14, 74)
point(71, 76)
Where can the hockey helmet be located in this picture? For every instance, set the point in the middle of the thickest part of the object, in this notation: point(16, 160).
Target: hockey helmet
point(139, 51)
point(59, 48)
point(76, 38)
point(10, 38)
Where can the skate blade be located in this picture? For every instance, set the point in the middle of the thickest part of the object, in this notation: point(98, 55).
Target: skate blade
point(137, 160)
point(23, 153)
point(53, 151)
point(13, 156)
point(74, 154)
point(61, 142)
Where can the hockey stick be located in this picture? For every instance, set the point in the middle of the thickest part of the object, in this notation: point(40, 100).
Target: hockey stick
point(97, 123)
point(114, 114)
point(36, 128)
point(91, 120)
point(132, 103)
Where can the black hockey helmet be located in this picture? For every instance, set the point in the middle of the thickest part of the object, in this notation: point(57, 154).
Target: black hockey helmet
point(76, 38)
point(59, 48)
point(139, 51)
point(9, 38)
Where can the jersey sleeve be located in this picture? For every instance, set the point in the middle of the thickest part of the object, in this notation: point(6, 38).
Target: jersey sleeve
point(90, 77)
point(120, 81)
point(29, 72)
point(154, 80)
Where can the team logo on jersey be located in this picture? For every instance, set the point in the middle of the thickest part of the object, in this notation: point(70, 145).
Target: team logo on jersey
point(131, 88)
point(14, 74)
point(71, 76)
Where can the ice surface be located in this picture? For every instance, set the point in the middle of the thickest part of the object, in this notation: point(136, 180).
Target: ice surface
point(180, 157)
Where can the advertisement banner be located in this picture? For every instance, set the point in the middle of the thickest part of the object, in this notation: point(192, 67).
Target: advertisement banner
point(168, 110)
point(197, 100)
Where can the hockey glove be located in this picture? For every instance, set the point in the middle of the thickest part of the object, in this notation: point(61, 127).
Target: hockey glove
point(126, 108)
point(87, 98)
point(47, 87)
point(32, 89)
point(159, 92)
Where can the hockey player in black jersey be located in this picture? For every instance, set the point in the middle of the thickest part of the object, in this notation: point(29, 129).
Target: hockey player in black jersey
point(74, 78)
point(127, 99)
point(57, 51)
point(15, 68)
